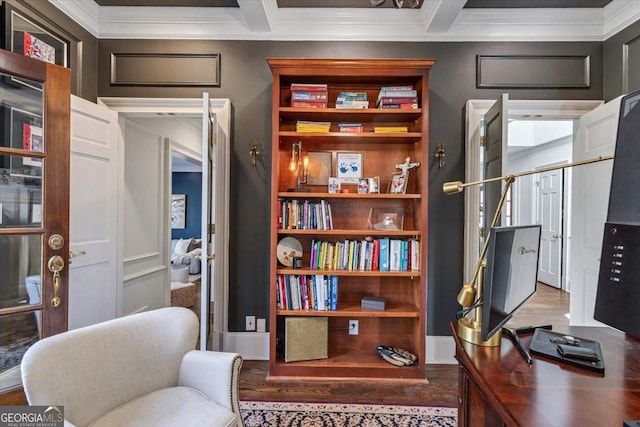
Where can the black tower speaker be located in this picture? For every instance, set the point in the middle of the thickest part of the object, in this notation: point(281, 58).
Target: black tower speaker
point(618, 295)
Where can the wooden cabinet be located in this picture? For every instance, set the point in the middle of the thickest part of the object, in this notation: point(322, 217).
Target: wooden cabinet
point(402, 323)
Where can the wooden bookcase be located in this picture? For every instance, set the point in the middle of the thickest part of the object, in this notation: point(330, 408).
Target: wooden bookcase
point(402, 323)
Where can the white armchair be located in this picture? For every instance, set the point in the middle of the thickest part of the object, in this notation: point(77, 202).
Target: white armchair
point(138, 370)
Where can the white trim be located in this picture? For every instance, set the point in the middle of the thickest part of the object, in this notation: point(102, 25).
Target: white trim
point(437, 20)
point(440, 350)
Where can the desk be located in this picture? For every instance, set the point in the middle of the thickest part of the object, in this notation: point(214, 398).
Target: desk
point(498, 388)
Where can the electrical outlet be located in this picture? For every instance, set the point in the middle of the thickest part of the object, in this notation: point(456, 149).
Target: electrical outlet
point(262, 325)
point(353, 327)
point(251, 323)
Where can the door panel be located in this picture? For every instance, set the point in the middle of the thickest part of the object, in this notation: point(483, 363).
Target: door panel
point(550, 217)
point(34, 207)
point(93, 272)
point(495, 157)
point(596, 136)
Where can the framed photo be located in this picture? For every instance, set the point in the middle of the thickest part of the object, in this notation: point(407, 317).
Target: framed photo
point(398, 183)
point(385, 219)
point(35, 206)
point(24, 130)
point(349, 167)
point(26, 36)
point(334, 185)
point(363, 186)
point(178, 211)
point(374, 185)
point(319, 169)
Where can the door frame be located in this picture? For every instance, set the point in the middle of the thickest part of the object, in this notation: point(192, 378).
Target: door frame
point(475, 110)
point(221, 107)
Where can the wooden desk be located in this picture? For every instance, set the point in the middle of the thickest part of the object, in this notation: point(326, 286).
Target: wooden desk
point(498, 388)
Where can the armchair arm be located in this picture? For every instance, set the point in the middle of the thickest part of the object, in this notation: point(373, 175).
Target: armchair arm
point(215, 374)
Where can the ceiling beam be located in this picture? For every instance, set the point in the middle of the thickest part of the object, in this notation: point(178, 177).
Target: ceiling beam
point(255, 13)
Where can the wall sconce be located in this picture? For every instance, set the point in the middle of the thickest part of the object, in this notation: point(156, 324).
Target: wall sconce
point(299, 165)
point(440, 153)
point(254, 150)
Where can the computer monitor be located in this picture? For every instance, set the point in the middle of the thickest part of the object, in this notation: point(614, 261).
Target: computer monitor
point(510, 276)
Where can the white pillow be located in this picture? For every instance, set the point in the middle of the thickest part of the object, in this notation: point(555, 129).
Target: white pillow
point(182, 246)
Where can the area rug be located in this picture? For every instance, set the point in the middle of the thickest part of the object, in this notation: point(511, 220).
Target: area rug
point(18, 332)
point(297, 414)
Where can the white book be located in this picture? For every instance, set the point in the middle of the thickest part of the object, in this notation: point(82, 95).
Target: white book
point(415, 254)
point(394, 254)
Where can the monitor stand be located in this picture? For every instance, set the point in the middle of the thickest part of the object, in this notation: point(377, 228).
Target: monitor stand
point(514, 334)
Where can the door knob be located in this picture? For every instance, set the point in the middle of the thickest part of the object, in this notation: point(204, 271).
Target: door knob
point(55, 265)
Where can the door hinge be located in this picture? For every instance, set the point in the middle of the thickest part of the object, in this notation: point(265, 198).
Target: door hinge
point(483, 141)
point(212, 229)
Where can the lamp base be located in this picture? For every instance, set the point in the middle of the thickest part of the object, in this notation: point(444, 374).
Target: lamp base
point(470, 331)
point(298, 190)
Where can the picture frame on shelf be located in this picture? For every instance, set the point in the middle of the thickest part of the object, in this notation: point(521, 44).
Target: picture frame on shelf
point(385, 219)
point(319, 169)
point(398, 183)
point(349, 167)
point(178, 211)
point(334, 185)
point(374, 185)
point(363, 186)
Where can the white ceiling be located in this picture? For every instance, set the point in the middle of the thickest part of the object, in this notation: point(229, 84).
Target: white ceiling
point(436, 20)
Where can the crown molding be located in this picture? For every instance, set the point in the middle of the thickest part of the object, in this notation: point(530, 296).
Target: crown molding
point(434, 22)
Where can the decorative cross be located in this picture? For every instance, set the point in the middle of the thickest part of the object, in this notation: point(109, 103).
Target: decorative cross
point(404, 167)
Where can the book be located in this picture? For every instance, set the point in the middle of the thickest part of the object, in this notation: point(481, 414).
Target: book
point(306, 87)
point(309, 104)
point(394, 254)
point(390, 129)
point(384, 254)
point(310, 96)
point(398, 100)
point(400, 106)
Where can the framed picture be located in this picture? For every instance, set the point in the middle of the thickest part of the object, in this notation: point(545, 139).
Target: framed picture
point(334, 185)
point(385, 219)
point(178, 211)
point(398, 183)
point(26, 36)
point(24, 130)
point(319, 169)
point(363, 186)
point(374, 185)
point(349, 167)
point(35, 206)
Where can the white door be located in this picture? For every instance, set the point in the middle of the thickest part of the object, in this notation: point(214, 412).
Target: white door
point(550, 185)
point(596, 136)
point(94, 213)
point(215, 208)
point(495, 158)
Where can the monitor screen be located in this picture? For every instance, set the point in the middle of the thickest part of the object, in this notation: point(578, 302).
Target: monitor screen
point(510, 276)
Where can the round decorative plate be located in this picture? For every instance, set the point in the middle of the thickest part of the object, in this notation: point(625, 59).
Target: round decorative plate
point(288, 248)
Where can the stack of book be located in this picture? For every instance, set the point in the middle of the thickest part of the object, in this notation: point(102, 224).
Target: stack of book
point(309, 95)
point(307, 292)
point(397, 97)
point(390, 129)
point(309, 126)
point(351, 127)
point(357, 100)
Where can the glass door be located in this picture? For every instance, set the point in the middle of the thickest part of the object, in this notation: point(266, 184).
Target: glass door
point(34, 206)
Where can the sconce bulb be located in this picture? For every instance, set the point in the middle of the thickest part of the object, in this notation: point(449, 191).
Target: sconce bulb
point(292, 166)
point(305, 162)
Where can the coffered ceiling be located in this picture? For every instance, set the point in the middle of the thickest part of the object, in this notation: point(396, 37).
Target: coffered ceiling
point(383, 20)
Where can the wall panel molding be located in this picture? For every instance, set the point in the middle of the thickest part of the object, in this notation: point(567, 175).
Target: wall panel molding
point(165, 69)
point(533, 71)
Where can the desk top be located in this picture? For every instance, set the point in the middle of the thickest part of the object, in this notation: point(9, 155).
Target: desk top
point(552, 393)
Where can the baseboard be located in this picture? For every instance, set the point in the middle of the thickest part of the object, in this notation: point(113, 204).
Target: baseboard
point(255, 346)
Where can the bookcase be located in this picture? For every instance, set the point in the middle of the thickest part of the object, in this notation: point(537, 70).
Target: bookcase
point(378, 148)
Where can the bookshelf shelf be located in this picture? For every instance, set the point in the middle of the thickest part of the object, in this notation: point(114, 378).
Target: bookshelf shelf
point(403, 322)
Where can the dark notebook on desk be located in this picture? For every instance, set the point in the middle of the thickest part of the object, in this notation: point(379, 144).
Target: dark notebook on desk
point(545, 343)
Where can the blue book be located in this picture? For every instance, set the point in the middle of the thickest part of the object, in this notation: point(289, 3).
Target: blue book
point(404, 255)
point(384, 254)
point(333, 280)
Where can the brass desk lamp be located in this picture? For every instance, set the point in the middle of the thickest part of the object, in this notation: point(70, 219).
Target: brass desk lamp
point(469, 327)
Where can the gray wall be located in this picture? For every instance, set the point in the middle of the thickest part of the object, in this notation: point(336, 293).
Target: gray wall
point(246, 81)
point(617, 66)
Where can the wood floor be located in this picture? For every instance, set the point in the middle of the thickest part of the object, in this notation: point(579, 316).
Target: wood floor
point(549, 305)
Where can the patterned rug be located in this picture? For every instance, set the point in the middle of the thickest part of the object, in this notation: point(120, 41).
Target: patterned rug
point(291, 414)
point(18, 332)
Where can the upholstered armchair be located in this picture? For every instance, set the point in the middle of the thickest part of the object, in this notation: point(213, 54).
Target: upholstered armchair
point(138, 370)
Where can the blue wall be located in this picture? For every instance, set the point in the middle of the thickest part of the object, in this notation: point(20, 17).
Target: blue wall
point(189, 183)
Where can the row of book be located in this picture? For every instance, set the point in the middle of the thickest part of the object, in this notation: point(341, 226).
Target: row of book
point(369, 254)
point(307, 292)
point(353, 100)
point(315, 95)
point(304, 215)
point(309, 95)
point(397, 97)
